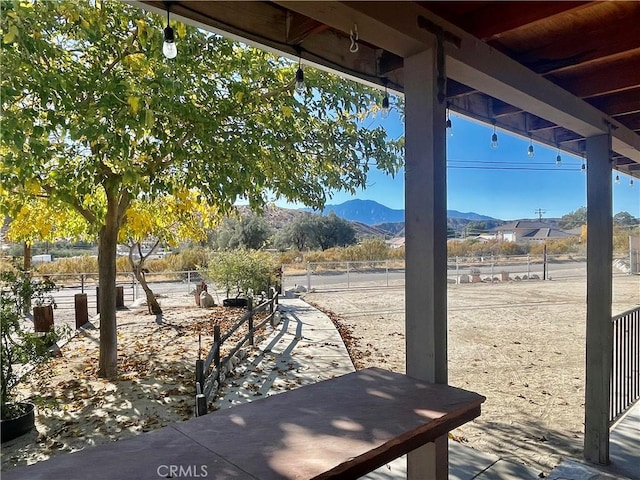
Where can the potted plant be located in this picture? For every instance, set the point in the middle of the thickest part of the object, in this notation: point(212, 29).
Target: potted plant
point(19, 347)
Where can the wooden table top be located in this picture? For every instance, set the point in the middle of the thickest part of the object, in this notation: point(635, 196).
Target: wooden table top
point(339, 428)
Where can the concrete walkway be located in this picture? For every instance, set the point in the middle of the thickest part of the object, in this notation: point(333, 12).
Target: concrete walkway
point(624, 455)
point(306, 348)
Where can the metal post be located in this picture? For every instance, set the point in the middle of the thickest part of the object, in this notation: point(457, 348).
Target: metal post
point(348, 283)
point(457, 270)
point(528, 267)
point(308, 277)
point(201, 401)
point(199, 372)
point(492, 263)
point(82, 283)
point(387, 272)
point(188, 281)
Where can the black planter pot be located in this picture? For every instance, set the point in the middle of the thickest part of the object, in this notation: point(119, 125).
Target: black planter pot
point(19, 425)
point(235, 302)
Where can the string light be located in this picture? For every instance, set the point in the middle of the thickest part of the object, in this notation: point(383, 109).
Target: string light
point(169, 46)
point(558, 160)
point(448, 122)
point(494, 137)
point(385, 100)
point(530, 153)
point(631, 183)
point(617, 179)
point(300, 87)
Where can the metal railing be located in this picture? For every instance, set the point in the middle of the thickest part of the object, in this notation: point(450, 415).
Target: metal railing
point(624, 389)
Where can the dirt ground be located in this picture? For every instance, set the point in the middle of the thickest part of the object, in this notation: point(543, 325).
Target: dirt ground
point(155, 385)
point(520, 344)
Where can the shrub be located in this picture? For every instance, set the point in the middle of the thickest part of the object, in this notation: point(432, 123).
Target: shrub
point(241, 270)
point(18, 346)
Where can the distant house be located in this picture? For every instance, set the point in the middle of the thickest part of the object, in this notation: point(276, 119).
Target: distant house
point(530, 231)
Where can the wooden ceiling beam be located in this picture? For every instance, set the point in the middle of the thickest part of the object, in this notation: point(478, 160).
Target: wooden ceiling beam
point(620, 103)
point(300, 27)
point(615, 76)
point(491, 20)
point(585, 46)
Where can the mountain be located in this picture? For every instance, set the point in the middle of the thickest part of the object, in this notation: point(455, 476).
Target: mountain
point(370, 212)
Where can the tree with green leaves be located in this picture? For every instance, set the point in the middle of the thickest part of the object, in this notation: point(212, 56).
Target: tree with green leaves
point(574, 219)
point(247, 231)
point(95, 118)
point(625, 219)
point(311, 230)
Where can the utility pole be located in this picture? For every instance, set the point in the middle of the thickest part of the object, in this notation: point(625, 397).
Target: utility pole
point(540, 211)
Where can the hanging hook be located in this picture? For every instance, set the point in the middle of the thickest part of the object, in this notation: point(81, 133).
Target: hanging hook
point(353, 35)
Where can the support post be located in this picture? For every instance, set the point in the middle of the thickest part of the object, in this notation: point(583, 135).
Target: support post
point(599, 346)
point(426, 245)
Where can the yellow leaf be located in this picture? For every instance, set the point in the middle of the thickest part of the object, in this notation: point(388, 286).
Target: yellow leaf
point(134, 103)
point(181, 29)
point(239, 96)
point(11, 34)
point(287, 111)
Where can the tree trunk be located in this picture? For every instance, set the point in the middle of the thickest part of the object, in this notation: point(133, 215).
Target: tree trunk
point(152, 302)
point(138, 271)
point(27, 257)
point(107, 244)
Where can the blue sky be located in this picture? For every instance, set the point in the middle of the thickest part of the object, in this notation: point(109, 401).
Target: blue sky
point(502, 183)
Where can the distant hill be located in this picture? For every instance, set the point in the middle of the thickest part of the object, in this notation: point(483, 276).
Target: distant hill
point(371, 212)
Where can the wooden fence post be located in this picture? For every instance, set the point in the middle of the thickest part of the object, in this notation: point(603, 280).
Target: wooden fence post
point(250, 307)
point(119, 296)
point(81, 309)
point(270, 297)
point(216, 356)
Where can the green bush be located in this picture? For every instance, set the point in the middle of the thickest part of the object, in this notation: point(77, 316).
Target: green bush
point(241, 270)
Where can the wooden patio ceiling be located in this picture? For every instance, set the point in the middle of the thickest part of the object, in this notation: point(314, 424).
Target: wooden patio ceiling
point(591, 50)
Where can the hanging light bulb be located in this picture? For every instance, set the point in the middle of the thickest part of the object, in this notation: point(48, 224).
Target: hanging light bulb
point(631, 183)
point(169, 46)
point(530, 153)
point(617, 179)
point(300, 87)
point(448, 122)
point(583, 167)
point(494, 137)
point(385, 101)
point(558, 160)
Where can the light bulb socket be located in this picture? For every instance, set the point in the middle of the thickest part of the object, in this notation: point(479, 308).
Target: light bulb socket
point(299, 80)
point(385, 103)
point(448, 123)
point(494, 140)
point(617, 179)
point(169, 36)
